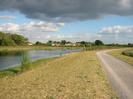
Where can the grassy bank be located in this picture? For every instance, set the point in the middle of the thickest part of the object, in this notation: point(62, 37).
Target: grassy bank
point(128, 52)
point(102, 47)
point(18, 70)
point(20, 48)
point(75, 76)
point(119, 54)
point(17, 50)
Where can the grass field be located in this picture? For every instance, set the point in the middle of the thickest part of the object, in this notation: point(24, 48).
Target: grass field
point(118, 54)
point(19, 48)
point(128, 52)
point(103, 47)
point(75, 76)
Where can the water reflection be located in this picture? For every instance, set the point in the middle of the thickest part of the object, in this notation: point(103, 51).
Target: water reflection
point(11, 53)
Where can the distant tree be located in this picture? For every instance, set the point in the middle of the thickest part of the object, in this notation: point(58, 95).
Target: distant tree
point(19, 40)
point(38, 43)
point(7, 39)
point(63, 42)
point(83, 43)
point(1, 37)
point(49, 43)
point(99, 42)
point(130, 44)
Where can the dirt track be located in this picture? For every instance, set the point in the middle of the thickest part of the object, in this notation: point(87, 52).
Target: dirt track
point(119, 73)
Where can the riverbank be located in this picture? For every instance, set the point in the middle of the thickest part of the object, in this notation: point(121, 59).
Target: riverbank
point(118, 54)
point(20, 48)
point(87, 48)
point(18, 69)
point(74, 76)
point(10, 59)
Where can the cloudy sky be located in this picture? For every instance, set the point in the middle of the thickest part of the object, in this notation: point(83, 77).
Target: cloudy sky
point(73, 20)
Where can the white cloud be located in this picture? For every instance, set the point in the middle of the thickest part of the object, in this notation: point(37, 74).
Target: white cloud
point(114, 34)
point(117, 29)
point(7, 17)
point(74, 37)
point(42, 26)
point(34, 31)
point(9, 27)
point(32, 26)
point(42, 31)
point(117, 34)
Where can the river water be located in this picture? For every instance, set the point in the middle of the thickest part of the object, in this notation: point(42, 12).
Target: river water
point(13, 59)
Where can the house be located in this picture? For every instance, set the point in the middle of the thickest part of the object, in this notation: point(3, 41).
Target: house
point(30, 44)
point(78, 43)
point(55, 43)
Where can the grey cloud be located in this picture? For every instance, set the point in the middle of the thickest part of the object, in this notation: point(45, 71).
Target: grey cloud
point(69, 10)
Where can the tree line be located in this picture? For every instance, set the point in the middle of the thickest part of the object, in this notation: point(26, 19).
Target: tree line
point(64, 42)
point(7, 39)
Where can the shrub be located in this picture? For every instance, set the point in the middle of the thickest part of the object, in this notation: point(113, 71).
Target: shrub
point(128, 53)
point(99, 42)
point(7, 39)
point(26, 62)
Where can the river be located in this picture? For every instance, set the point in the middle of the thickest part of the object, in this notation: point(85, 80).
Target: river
point(13, 59)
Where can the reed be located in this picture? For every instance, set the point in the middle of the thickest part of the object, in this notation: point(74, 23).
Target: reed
point(26, 62)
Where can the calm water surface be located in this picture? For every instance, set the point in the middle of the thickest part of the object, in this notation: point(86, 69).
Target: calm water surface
point(13, 59)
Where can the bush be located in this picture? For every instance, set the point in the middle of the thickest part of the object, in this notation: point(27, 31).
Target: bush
point(128, 53)
point(19, 39)
point(7, 39)
point(98, 42)
point(26, 63)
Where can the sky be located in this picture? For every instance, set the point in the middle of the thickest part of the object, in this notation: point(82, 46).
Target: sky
point(74, 20)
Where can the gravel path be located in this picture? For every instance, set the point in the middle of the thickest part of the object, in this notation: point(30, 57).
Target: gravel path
point(119, 73)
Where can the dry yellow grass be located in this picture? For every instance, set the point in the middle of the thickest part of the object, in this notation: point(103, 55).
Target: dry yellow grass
point(75, 76)
point(118, 54)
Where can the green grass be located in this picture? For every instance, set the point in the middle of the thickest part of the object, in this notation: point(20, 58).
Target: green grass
point(20, 48)
point(26, 63)
point(128, 52)
point(17, 70)
point(74, 76)
point(102, 47)
point(118, 54)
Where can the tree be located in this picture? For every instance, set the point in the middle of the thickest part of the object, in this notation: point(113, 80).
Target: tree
point(98, 42)
point(7, 39)
point(19, 40)
point(49, 43)
point(63, 42)
point(83, 43)
point(38, 43)
point(130, 44)
point(1, 37)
